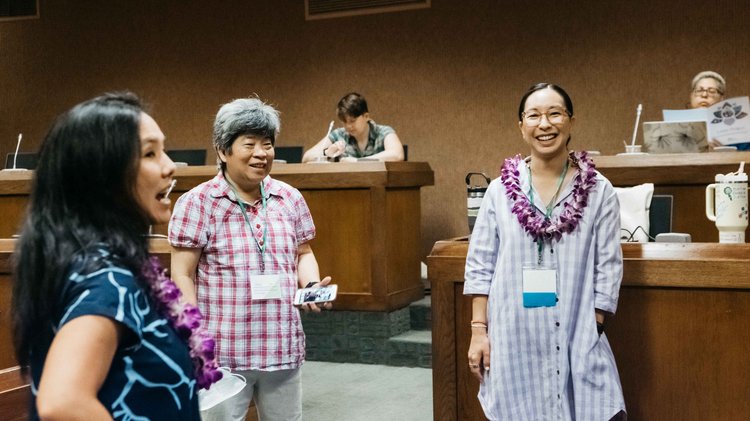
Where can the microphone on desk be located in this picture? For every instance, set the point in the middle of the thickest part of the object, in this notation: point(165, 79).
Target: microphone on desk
point(632, 148)
point(15, 157)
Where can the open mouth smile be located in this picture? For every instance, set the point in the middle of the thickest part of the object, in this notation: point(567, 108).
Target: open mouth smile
point(546, 137)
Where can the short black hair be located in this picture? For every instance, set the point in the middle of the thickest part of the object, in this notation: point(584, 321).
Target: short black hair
point(353, 105)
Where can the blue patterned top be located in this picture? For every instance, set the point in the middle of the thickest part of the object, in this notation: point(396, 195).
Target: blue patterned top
point(151, 376)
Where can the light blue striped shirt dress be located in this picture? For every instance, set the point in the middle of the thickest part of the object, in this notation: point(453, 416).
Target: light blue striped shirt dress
point(548, 363)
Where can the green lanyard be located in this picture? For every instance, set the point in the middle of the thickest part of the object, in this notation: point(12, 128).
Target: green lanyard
point(549, 207)
point(261, 244)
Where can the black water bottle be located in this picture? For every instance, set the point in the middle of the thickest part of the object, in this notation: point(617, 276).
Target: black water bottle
point(475, 194)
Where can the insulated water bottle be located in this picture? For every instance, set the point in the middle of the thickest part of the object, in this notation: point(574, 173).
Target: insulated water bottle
point(475, 194)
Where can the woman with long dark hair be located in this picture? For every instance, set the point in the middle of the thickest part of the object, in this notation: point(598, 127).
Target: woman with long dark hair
point(544, 268)
point(98, 324)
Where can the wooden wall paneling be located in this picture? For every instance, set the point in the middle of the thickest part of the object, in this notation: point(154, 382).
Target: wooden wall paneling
point(14, 395)
point(377, 242)
point(682, 353)
point(7, 354)
point(10, 225)
point(14, 192)
point(402, 245)
point(444, 355)
point(342, 221)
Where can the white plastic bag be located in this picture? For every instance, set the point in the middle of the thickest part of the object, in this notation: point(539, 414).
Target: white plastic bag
point(221, 395)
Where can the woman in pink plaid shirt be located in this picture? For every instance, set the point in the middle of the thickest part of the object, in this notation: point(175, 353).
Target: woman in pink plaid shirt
point(242, 251)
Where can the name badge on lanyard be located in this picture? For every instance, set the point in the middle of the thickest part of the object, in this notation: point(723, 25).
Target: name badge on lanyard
point(540, 281)
point(265, 286)
point(539, 287)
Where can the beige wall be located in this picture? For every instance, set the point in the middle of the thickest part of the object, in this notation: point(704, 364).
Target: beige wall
point(447, 78)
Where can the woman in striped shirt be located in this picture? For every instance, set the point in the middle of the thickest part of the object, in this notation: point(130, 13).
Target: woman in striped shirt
point(544, 269)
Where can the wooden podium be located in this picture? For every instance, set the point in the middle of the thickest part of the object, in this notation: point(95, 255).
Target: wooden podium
point(680, 335)
point(367, 216)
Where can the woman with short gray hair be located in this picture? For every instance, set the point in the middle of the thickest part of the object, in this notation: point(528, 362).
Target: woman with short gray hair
point(245, 116)
point(242, 250)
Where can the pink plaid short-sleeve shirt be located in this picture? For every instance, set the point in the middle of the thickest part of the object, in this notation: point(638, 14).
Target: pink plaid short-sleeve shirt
point(250, 334)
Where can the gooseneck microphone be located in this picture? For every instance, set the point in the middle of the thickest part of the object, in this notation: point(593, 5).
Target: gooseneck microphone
point(15, 157)
point(18, 145)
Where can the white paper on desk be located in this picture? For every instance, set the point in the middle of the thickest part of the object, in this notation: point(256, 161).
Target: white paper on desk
point(729, 121)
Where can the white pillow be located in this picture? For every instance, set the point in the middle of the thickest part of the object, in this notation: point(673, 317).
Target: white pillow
point(635, 203)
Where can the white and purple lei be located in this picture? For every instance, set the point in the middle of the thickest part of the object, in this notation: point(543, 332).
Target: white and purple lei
point(534, 222)
point(186, 319)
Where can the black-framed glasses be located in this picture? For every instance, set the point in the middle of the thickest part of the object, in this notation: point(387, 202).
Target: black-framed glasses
point(554, 116)
point(707, 91)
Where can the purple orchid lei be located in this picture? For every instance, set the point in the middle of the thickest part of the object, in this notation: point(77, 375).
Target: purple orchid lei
point(186, 319)
point(534, 222)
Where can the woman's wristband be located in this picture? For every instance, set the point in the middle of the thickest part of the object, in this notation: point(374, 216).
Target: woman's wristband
point(478, 324)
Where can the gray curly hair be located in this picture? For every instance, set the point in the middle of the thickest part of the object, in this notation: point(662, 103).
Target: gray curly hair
point(244, 116)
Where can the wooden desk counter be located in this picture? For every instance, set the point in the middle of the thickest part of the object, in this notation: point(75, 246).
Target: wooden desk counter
point(367, 216)
point(680, 335)
point(669, 169)
point(684, 176)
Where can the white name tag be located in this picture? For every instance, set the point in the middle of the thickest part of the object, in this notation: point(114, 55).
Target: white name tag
point(266, 287)
point(539, 287)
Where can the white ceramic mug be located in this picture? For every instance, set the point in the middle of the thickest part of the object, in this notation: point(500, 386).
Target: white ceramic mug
point(726, 204)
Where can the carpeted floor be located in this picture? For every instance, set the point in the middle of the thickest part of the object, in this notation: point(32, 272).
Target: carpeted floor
point(362, 392)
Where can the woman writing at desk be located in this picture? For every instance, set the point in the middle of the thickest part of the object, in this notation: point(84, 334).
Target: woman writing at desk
point(359, 138)
point(544, 268)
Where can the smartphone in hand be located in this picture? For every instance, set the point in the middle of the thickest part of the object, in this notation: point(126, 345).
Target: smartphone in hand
point(315, 295)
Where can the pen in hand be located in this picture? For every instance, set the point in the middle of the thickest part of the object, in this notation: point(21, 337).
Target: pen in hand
point(339, 145)
point(330, 127)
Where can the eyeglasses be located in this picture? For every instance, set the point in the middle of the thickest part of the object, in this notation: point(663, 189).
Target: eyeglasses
point(707, 91)
point(554, 116)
